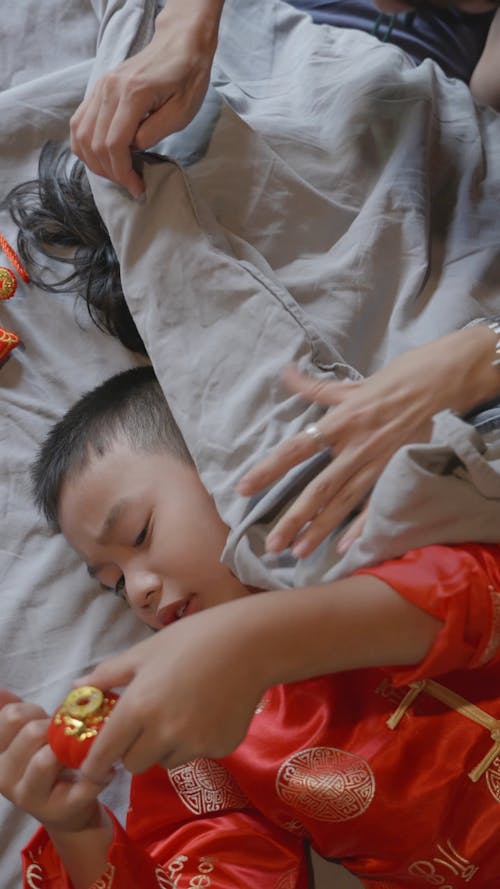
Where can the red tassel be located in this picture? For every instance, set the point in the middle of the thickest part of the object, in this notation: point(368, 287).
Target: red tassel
point(14, 259)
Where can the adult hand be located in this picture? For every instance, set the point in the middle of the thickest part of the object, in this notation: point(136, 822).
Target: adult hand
point(147, 97)
point(192, 690)
point(370, 420)
point(30, 775)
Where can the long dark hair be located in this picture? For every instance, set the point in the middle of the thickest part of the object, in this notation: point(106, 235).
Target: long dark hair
point(57, 218)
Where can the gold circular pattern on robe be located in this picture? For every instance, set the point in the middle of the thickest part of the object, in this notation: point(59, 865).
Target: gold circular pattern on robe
point(8, 283)
point(205, 786)
point(326, 784)
point(83, 702)
point(288, 880)
point(493, 779)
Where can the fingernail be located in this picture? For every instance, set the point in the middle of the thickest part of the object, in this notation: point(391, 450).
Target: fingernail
point(138, 194)
point(274, 543)
point(301, 549)
point(344, 544)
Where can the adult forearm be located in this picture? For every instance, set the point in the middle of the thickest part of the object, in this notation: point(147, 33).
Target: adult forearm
point(198, 18)
point(469, 376)
point(485, 80)
point(84, 852)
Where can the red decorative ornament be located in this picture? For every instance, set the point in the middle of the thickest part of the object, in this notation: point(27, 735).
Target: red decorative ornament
point(8, 341)
point(8, 283)
point(14, 259)
point(77, 722)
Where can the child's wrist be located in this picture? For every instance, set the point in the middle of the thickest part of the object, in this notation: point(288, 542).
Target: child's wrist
point(97, 820)
point(84, 850)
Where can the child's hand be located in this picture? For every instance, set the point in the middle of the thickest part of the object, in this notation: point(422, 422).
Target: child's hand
point(192, 690)
point(30, 775)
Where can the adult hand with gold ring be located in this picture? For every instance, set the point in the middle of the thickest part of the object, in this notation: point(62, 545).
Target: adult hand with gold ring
point(367, 421)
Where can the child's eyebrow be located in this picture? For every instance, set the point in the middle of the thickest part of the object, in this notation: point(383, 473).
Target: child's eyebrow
point(112, 518)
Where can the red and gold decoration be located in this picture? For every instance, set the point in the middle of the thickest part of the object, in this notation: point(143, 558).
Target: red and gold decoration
point(8, 341)
point(77, 722)
point(8, 283)
point(8, 286)
point(14, 259)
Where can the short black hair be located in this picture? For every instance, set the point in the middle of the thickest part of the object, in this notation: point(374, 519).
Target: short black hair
point(57, 218)
point(130, 406)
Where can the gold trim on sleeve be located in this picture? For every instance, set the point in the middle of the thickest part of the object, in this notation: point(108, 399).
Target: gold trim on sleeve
point(460, 705)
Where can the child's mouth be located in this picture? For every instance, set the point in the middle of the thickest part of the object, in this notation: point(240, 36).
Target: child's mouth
point(169, 614)
point(182, 609)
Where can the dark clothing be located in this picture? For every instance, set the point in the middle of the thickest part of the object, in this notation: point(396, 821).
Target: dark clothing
point(453, 39)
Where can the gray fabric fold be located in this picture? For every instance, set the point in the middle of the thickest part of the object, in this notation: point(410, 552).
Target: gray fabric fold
point(345, 209)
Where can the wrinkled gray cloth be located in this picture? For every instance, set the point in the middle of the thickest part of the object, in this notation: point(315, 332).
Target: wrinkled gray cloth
point(338, 206)
point(447, 491)
point(344, 208)
point(54, 620)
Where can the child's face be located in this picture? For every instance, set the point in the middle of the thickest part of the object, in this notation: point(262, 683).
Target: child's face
point(145, 524)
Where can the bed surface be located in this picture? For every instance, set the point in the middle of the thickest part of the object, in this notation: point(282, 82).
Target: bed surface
point(53, 621)
point(292, 209)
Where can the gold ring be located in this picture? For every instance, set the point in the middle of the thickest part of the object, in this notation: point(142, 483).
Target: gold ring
point(315, 433)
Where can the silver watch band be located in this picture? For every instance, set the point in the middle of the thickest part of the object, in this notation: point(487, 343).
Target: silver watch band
point(494, 325)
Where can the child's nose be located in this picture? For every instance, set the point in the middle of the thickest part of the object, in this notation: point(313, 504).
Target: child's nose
point(143, 588)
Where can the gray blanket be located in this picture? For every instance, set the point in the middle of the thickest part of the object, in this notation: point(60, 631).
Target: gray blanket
point(335, 205)
point(341, 207)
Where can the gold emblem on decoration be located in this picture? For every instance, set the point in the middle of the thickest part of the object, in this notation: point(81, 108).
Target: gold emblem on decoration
point(83, 711)
point(8, 283)
point(326, 784)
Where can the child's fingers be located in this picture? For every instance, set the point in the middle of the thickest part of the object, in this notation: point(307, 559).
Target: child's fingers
point(33, 770)
point(7, 697)
point(112, 744)
point(114, 672)
point(16, 757)
point(13, 718)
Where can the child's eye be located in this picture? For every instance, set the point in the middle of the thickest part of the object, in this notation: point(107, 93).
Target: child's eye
point(119, 587)
point(142, 536)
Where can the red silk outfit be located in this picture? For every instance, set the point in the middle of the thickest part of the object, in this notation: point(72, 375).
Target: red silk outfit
point(400, 784)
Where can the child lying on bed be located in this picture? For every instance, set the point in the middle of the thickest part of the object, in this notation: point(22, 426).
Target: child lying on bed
point(372, 417)
point(333, 716)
